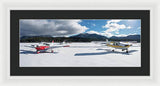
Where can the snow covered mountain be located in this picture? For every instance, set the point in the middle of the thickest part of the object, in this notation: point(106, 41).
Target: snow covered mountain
point(127, 38)
point(92, 36)
point(83, 37)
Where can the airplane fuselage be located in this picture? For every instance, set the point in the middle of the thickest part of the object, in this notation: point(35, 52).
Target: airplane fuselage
point(125, 47)
point(41, 48)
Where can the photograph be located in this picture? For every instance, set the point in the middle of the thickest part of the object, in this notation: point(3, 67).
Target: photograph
point(80, 42)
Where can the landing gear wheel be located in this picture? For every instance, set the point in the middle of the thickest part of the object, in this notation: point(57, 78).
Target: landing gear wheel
point(38, 52)
point(51, 51)
point(112, 50)
point(127, 51)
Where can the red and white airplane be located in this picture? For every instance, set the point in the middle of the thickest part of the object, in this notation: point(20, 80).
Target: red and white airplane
point(43, 47)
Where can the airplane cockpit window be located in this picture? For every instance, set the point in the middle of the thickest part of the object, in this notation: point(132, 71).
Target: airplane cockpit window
point(116, 43)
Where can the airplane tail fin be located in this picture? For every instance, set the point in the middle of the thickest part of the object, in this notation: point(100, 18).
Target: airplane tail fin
point(52, 43)
point(107, 41)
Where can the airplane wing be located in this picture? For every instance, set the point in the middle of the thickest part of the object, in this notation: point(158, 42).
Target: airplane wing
point(31, 46)
point(55, 46)
point(58, 46)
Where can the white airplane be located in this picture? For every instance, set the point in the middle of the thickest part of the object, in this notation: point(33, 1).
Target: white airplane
point(117, 45)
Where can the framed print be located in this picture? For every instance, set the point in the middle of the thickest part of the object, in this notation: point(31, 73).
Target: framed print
point(80, 42)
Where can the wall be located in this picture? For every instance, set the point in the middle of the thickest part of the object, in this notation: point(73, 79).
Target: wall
point(5, 80)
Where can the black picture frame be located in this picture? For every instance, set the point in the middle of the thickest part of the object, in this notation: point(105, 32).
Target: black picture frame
point(15, 15)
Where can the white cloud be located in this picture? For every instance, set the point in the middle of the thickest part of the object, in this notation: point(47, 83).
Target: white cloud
point(92, 32)
point(57, 27)
point(129, 27)
point(104, 33)
point(113, 26)
point(117, 32)
point(100, 33)
point(121, 35)
point(133, 34)
point(114, 20)
point(124, 35)
point(108, 34)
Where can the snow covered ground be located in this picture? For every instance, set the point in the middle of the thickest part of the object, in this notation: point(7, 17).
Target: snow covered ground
point(80, 55)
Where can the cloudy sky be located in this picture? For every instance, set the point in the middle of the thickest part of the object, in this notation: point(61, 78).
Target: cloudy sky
point(69, 27)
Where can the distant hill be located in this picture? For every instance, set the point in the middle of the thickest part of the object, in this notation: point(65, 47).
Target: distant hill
point(35, 39)
point(25, 37)
point(90, 36)
point(84, 37)
point(127, 38)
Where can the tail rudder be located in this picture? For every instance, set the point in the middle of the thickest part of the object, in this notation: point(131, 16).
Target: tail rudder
point(107, 41)
point(52, 43)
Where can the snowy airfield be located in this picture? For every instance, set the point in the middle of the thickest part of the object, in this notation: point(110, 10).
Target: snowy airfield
point(80, 55)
